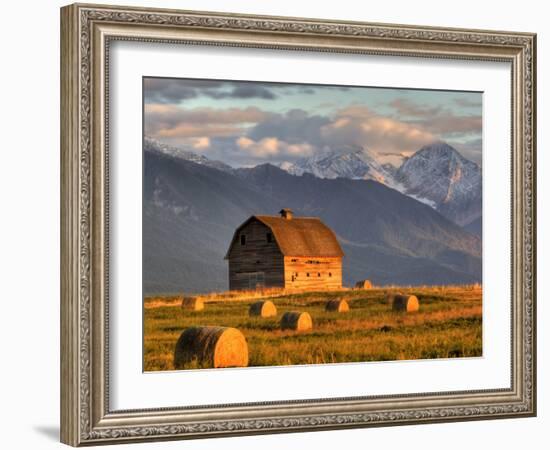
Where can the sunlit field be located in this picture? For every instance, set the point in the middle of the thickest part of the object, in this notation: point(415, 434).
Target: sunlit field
point(448, 325)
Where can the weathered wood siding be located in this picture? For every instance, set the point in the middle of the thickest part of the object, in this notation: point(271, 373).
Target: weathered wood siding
point(313, 273)
point(257, 263)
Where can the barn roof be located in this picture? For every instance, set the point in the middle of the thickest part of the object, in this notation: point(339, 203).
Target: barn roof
point(299, 236)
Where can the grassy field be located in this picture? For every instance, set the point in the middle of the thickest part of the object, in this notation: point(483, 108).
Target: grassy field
point(448, 325)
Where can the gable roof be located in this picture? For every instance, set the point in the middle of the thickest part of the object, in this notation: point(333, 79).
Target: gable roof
point(299, 236)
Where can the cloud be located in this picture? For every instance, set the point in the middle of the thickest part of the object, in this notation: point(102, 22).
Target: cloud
point(174, 114)
point(242, 151)
point(200, 143)
point(470, 149)
point(163, 120)
point(247, 136)
point(295, 126)
point(306, 90)
point(169, 90)
point(270, 147)
point(244, 90)
point(244, 143)
point(404, 107)
point(395, 159)
point(438, 120)
point(449, 124)
point(467, 103)
point(190, 131)
point(359, 125)
point(173, 91)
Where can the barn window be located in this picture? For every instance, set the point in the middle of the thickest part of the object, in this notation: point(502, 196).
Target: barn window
point(269, 237)
point(330, 274)
point(318, 274)
point(243, 239)
point(307, 274)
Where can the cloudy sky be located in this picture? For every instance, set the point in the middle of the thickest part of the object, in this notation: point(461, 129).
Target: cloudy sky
point(247, 123)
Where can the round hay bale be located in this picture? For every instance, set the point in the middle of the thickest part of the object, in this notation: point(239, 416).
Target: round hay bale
point(389, 297)
point(408, 303)
point(337, 306)
point(211, 347)
point(363, 284)
point(192, 303)
point(296, 320)
point(263, 309)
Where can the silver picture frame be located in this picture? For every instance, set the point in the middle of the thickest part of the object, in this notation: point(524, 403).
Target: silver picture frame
point(87, 31)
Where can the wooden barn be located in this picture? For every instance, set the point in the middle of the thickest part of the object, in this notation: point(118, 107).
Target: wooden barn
point(283, 251)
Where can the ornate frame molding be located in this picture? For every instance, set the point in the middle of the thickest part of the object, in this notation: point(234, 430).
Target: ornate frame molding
point(86, 33)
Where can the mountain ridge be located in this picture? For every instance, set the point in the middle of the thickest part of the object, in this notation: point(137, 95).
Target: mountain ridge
point(352, 162)
point(440, 174)
point(153, 145)
point(436, 175)
point(191, 211)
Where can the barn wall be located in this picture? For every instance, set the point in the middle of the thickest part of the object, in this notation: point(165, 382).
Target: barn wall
point(324, 273)
point(248, 262)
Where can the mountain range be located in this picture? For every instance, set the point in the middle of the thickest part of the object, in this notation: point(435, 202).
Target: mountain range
point(352, 162)
point(192, 206)
point(153, 145)
point(437, 175)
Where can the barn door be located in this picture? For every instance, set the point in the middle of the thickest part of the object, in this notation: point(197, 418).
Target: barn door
point(256, 280)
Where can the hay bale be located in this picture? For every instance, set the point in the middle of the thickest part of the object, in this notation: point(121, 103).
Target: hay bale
point(263, 309)
point(211, 347)
point(192, 303)
point(408, 303)
point(363, 284)
point(296, 320)
point(337, 305)
point(389, 297)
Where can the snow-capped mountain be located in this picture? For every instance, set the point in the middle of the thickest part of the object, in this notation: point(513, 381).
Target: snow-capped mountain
point(348, 162)
point(440, 174)
point(436, 175)
point(152, 145)
point(392, 160)
point(351, 162)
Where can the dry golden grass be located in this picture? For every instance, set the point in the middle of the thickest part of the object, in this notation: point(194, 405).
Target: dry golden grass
point(448, 324)
point(159, 302)
point(248, 295)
